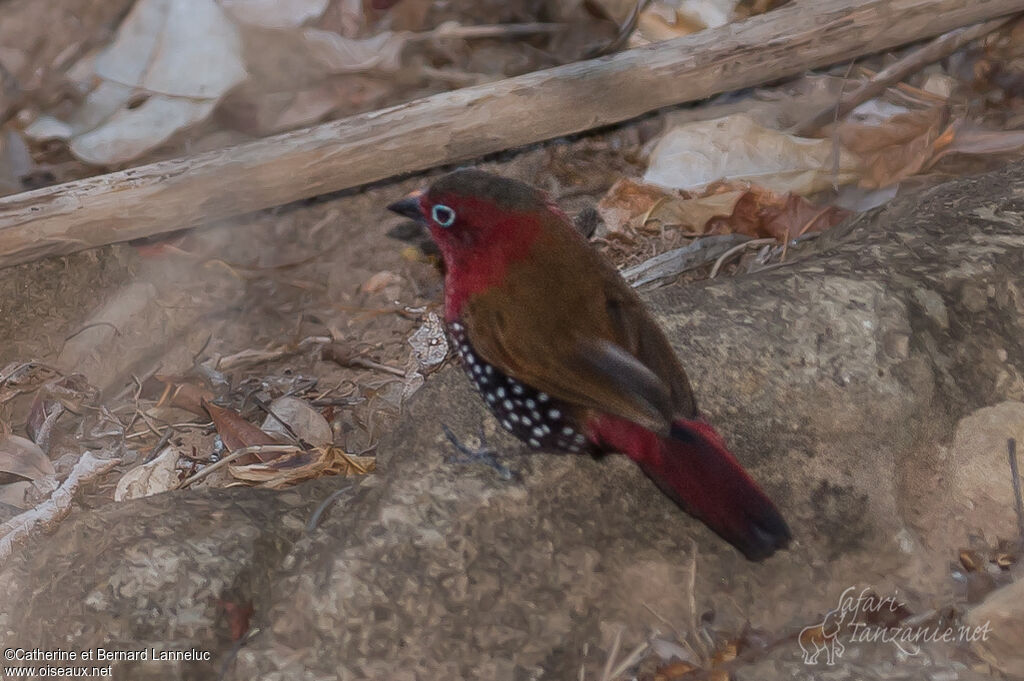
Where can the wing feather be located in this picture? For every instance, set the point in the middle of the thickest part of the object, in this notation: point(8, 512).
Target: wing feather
point(593, 345)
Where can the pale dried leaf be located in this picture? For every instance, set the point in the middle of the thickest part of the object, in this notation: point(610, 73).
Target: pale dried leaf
point(23, 458)
point(380, 281)
point(169, 64)
point(736, 148)
point(429, 343)
point(694, 214)
point(275, 13)
point(306, 422)
point(181, 48)
point(382, 52)
point(13, 494)
point(667, 19)
point(131, 132)
point(15, 162)
point(159, 475)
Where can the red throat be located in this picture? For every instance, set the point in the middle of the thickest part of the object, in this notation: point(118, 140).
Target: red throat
point(478, 257)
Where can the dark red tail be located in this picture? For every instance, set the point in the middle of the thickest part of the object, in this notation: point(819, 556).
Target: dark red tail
point(694, 468)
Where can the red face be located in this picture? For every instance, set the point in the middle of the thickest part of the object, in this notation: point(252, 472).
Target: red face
point(477, 237)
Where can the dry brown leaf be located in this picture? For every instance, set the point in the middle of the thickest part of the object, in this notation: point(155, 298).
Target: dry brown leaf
point(694, 214)
point(723, 208)
point(961, 138)
point(184, 394)
point(971, 560)
point(238, 616)
point(235, 432)
point(762, 213)
point(627, 200)
point(895, 149)
point(21, 458)
point(305, 465)
point(674, 671)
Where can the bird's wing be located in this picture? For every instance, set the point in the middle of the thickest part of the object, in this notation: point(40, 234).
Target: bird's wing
point(578, 363)
point(637, 331)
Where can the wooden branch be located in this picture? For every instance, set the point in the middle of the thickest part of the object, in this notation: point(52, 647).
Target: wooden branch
point(51, 511)
point(943, 46)
point(465, 124)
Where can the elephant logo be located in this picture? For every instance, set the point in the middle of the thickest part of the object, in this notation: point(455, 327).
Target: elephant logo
point(823, 638)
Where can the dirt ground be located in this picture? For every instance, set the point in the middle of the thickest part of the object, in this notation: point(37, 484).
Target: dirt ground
point(316, 299)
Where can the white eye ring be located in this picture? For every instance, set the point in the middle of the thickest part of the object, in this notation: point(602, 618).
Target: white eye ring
point(443, 215)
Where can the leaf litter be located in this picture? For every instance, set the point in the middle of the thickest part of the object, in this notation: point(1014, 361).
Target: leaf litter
point(164, 429)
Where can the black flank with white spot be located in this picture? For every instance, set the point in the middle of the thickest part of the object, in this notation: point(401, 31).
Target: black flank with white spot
point(536, 418)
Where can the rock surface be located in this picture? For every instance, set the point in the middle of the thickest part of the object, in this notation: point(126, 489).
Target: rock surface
point(839, 379)
point(1002, 617)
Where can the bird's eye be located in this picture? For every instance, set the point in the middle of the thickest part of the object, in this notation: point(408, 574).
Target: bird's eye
point(443, 215)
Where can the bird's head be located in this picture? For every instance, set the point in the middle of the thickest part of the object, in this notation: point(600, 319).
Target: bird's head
point(472, 213)
point(485, 226)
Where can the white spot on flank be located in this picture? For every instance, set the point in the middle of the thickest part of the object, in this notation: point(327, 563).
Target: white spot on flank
point(543, 397)
point(554, 414)
point(534, 443)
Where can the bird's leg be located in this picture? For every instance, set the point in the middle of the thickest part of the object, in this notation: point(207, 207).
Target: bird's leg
point(482, 454)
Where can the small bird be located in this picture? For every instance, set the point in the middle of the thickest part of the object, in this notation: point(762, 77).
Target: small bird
point(566, 356)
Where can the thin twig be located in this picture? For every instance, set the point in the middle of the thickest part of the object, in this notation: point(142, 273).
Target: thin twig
point(235, 455)
point(612, 654)
point(452, 30)
point(314, 520)
point(625, 30)
point(679, 635)
point(1018, 502)
point(734, 250)
point(46, 430)
point(117, 331)
point(692, 621)
point(630, 660)
point(164, 439)
point(174, 426)
point(910, 64)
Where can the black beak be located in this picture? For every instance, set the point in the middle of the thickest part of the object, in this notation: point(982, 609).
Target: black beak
point(408, 206)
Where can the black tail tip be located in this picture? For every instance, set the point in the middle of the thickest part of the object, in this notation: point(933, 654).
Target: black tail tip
point(764, 535)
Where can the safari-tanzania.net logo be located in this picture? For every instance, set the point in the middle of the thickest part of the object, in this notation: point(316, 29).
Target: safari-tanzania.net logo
point(860, 618)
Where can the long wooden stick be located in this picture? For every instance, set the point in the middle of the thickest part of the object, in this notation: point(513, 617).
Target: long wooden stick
point(468, 123)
